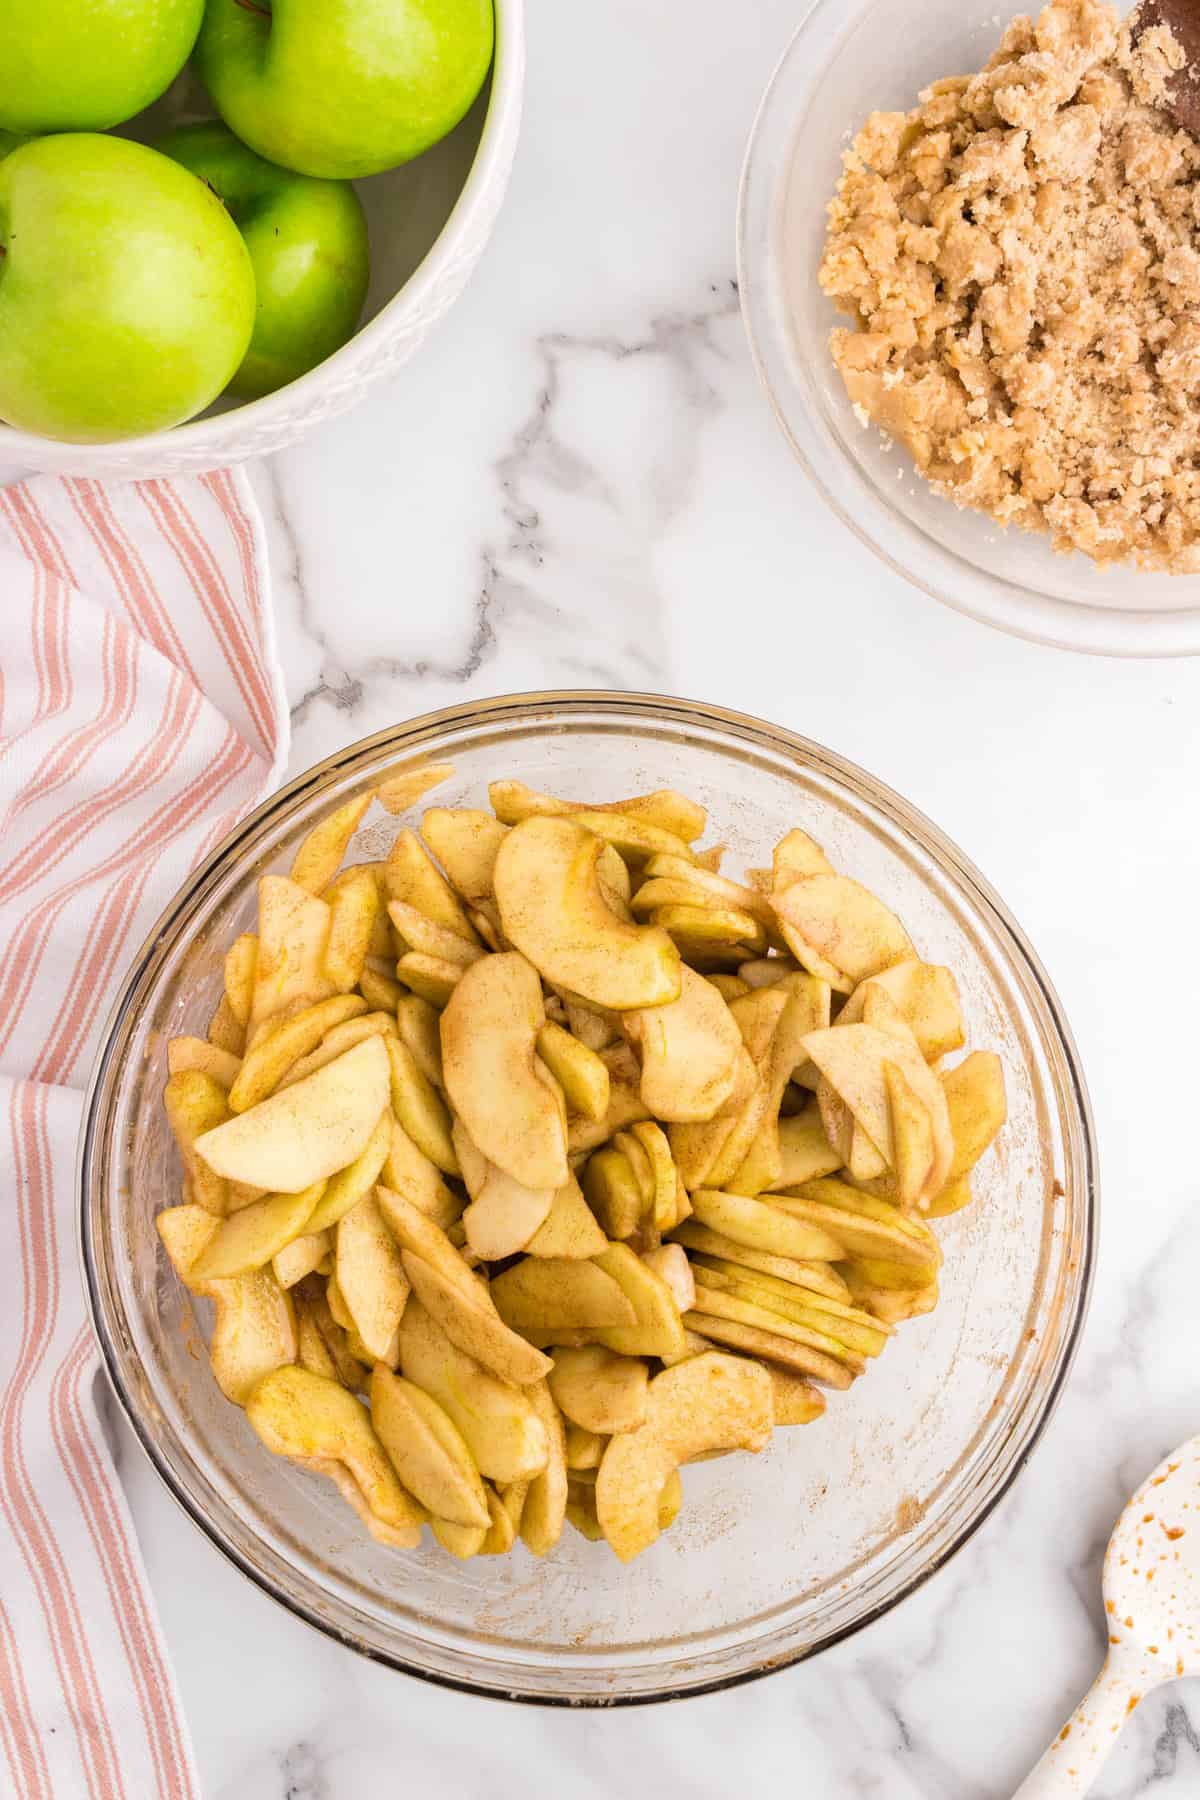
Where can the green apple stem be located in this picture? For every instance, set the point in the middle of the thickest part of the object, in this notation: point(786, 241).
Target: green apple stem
point(264, 12)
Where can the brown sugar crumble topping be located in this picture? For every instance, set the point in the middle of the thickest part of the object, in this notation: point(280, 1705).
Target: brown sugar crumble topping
point(1021, 257)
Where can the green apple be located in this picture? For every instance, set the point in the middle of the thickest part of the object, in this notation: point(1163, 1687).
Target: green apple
point(343, 88)
point(308, 242)
point(83, 65)
point(9, 140)
point(126, 292)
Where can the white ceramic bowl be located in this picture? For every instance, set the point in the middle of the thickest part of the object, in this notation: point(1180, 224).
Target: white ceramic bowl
point(429, 221)
point(847, 59)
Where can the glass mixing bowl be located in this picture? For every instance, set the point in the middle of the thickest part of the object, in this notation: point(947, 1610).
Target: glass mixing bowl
point(850, 58)
point(773, 1556)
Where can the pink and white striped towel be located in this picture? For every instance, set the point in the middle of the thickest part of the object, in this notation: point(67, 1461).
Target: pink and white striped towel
point(141, 712)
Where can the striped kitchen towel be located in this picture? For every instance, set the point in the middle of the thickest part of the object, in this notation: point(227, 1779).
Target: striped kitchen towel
point(141, 712)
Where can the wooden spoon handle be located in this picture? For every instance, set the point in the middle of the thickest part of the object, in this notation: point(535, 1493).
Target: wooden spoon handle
point(1074, 1759)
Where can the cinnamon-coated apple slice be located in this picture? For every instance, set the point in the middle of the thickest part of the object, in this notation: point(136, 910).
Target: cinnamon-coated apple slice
point(305, 1132)
point(299, 1414)
point(711, 1402)
point(427, 1450)
point(496, 1418)
point(289, 962)
point(506, 1098)
point(553, 910)
point(689, 1051)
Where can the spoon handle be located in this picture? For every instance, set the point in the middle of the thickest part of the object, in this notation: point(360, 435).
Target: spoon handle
point(1074, 1759)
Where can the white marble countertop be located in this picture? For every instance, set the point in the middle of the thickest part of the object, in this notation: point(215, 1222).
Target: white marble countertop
point(580, 484)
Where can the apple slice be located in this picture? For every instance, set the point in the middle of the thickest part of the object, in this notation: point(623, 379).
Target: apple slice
point(817, 1277)
point(419, 1107)
point(360, 897)
point(552, 909)
point(431, 978)
point(396, 1537)
point(398, 791)
point(303, 1256)
point(184, 1053)
point(497, 1419)
point(805, 1152)
point(427, 1450)
point(241, 960)
point(305, 1132)
point(711, 1402)
point(337, 1041)
point(429, 938)
point(665, 809)
point(504, 1215)
point(512, 1496)
point(724, 1303)
point(840, 922)
point(927, 997)
point(585, 1449)
point(508, 1102)
point(613, 1192)
point(599, 1391)
point(764, 1225)
point(670, 1263)
point(803, 1006)
point(537, 1294)
point(466, 843)
point(255, 1327)
point(912, 1138)
point(698, 1148)
point(471, 1321)
point(345, 1189)
point(545, 1507)
point(372, 1281)
point(299, 1414)
point(462, 1541)
point(265, 1065)
point(579, 1072)
point(797, 854)
point(570, 1231)
point(412, 877)
point(889, 1293)
point(320, 855)
point(248, 1239)
point(954, 1196)
point(324, 1345)
point(862, 1224)
point(657, 1330)
point(846, 1325)
point(420, 1028)
point(853, 1059)
point(802, 1359)
point(660, 1184)
point(293, 932)
point(414, 1229)
point(709, 935)
point(705, 885)
point(381, 991)
point(195, 1105)
point(689, 1050)
point(977, 1107)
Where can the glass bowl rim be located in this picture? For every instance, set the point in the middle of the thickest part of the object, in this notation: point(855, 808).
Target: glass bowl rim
point(936, 570)
point(549, 706)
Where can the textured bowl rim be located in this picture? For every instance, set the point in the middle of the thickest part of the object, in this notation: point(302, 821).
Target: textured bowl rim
point(221, 434)
point(928, 566)
point(554, 703)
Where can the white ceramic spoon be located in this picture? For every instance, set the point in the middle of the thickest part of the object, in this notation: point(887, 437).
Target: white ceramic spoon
point(1152, 1609)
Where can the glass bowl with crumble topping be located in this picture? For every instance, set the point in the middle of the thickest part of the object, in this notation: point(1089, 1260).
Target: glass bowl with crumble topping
point(980, 350)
